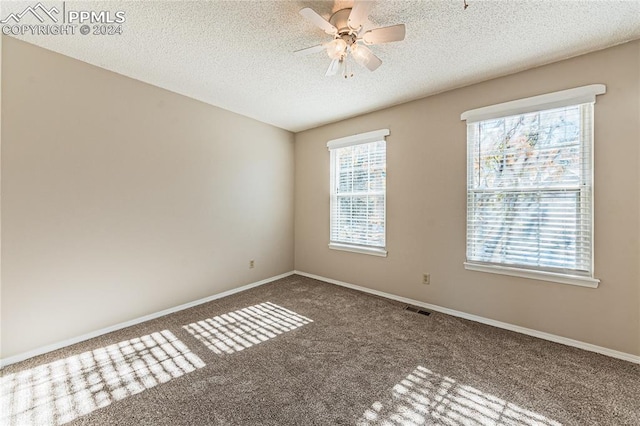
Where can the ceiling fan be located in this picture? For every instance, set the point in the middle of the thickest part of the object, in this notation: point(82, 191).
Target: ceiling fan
point(349, 39)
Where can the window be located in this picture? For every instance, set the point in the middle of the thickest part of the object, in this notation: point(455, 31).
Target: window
point(358, 193)
point(529, 187)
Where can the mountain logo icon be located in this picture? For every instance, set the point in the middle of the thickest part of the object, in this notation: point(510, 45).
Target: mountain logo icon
point(33, 10)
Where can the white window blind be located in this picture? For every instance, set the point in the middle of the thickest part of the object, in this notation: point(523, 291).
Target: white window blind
point(529, 192)
point(358, 193)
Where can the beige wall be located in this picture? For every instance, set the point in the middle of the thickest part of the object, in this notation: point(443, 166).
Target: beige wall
point(426, 154)
point(120, 199)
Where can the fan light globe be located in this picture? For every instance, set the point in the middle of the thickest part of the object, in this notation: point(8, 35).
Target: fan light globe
point(359, 54)
point(336, 48)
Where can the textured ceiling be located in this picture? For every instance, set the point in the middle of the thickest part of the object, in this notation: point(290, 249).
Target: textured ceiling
point(238, 54)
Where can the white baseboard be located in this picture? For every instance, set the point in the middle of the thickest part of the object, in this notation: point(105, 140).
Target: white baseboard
point(535, 333)
point(58, 345)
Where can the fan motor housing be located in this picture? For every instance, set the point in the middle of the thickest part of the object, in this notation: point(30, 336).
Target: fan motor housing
point(340, 20)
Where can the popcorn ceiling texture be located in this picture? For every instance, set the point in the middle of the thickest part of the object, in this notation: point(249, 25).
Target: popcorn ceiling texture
point(238, 54)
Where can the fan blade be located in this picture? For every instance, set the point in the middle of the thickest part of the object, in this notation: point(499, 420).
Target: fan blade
point(318, 20)
point(309, 50)
point(384, 35)
point(359, 13)
point(334, 66)
point(365, 57)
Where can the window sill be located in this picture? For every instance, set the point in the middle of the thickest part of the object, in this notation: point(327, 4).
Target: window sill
point(534, 275)
point(358, 249)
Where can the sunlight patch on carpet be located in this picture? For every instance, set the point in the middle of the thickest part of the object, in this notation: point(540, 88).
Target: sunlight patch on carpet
point(63, 390)
point(241, 329)
point(424, 397)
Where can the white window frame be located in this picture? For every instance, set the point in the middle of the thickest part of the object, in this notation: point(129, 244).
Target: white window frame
point(332, 145)
point(575, 96)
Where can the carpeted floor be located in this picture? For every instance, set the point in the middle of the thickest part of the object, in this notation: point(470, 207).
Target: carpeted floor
point(302, 352)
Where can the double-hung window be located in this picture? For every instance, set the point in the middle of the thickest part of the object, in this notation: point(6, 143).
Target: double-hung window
point(530, 187)
point(358, 179)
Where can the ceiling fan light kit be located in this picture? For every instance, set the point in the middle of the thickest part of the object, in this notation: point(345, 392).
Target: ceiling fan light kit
point(346, 26)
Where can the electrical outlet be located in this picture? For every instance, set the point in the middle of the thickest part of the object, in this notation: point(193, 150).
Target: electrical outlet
point(252, 264)
point(426, 279)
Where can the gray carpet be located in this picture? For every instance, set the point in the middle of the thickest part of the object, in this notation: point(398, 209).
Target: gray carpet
point(302, 352)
